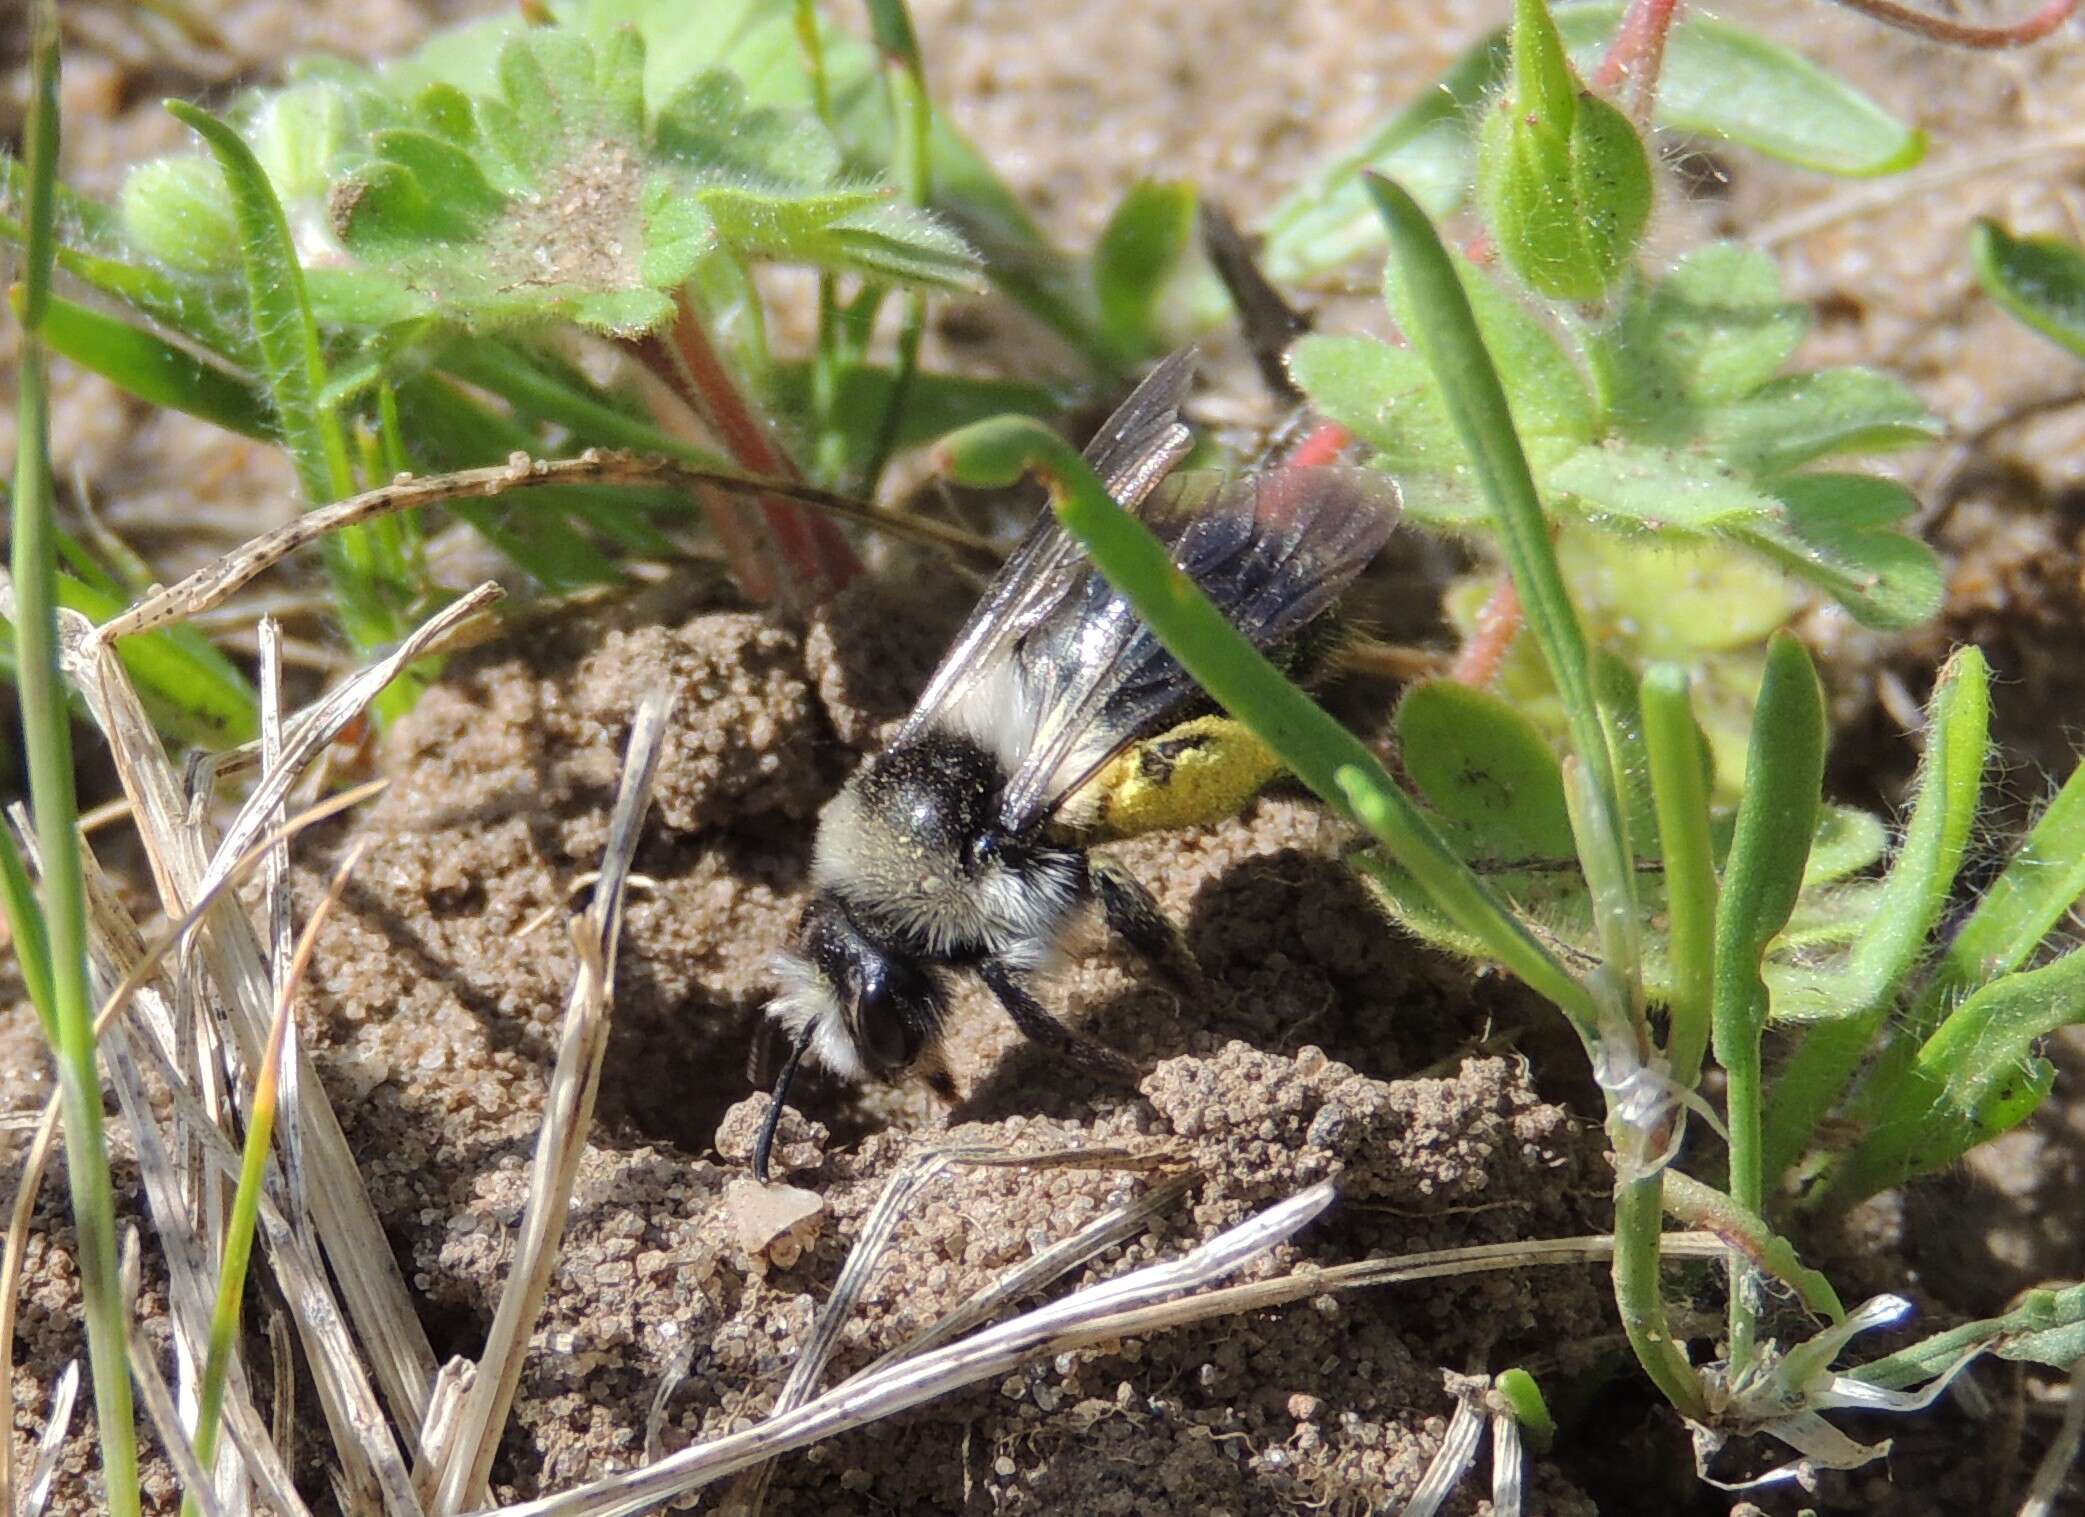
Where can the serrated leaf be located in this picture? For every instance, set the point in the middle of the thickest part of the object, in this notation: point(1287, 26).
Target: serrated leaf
point(2041, 280)
point(556, 199)
point(1382, 394)
point(1834, 532)
point(1486, 769)
point(1627, 488)
point(1711, 331)
point(1551, 402)
point(1798, 418)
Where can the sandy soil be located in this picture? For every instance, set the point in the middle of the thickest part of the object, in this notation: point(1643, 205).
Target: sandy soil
point(1324, 1044)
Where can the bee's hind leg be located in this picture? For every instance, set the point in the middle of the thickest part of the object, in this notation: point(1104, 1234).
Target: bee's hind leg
point(1135, 916)
point(1036, 1023)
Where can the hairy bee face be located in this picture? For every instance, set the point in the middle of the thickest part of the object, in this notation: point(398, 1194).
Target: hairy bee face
point(867, 1011)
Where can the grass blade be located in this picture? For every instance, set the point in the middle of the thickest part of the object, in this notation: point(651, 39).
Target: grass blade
point(153, 369)
point(1443, 330)
point(47, 734)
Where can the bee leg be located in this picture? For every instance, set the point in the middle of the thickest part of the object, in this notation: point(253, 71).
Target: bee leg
point(1036, 1023)
point(1136, 917)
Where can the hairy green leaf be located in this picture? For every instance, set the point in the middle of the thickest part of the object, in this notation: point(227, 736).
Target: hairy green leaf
point(1790, 421)
point(1487, 770)
point(1836, 531)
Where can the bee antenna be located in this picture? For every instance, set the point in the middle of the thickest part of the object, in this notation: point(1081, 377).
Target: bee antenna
point(764, 1144)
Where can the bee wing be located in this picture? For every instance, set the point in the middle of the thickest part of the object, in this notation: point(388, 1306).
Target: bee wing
point(1132, 452)
point(1272, 551)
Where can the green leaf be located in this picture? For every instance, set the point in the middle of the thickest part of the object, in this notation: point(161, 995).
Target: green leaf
point(1624, 488)
point(1762, 879)
point(554, 199)
point(1835, 531)
point(2016, 913)
point(1143, 243)
point(1384, 395)
point(154, 370)
point(1717, 80)
point(179, 211)
point(1711, 331)
point(1857, 999)
point(1486, 769)
point(1790, 421)
point(935, 404)
point(283, 325)
point(1976, 1077)
point(2041, 280)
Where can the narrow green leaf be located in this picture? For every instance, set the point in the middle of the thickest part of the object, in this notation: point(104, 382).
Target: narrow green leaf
point(1859, 998)
point(1143, 243)
point(1680, 777)
point(47, 738)
point(2019, 910)
point(1976, 1077)
point(287, 335)
point(154, 370)
point(1848, 840)
point(2046, 1327)
point(1784, 775)
point(1444, 331)
point(2041, 280)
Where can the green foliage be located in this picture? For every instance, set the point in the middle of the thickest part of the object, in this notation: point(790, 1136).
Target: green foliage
point(2041, 280)
point(559, 197)
point(1564, 179)
point(1670, 419)
point(1718, 81)
point(1150, 233)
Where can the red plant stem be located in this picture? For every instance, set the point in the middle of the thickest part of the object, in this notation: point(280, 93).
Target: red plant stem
point(810, 546)
point(737, 528)
point(1955, 34)
point(1637, 54)
point(1498, 623)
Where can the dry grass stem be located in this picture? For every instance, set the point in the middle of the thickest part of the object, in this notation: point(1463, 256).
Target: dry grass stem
point(52, 1444)
point(1509, 1465)
point(211, 586)
point(1452, 1461)
point(2055, 1465)
point(878, 1229)
point(1046, 1331)
point(158, 1400)
point(562, 1141)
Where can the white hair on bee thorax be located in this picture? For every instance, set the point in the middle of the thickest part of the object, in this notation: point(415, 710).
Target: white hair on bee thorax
point(805, 999)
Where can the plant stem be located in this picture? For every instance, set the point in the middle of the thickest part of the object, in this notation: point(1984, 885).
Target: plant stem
point(2023, 33)
point(1637, 54)
point(1639, 1215)
point(1499, 621)
point(912, 116)
point(47, 734)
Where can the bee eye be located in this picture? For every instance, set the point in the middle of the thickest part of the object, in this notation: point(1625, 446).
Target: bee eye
point(881, 1028)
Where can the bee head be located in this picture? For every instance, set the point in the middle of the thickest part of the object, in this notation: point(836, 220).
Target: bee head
point(863, 1009)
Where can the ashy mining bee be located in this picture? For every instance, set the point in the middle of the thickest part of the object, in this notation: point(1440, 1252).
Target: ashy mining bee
point(961, 846)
